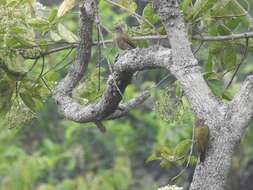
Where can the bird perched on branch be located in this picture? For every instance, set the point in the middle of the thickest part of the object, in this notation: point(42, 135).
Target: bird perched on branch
point(201, 138)
point(122, 40)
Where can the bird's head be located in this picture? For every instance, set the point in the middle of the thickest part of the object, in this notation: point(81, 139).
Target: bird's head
point(117, 29)
point(200, 122)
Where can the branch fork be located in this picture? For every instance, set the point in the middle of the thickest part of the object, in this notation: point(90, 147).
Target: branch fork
point(227, 121)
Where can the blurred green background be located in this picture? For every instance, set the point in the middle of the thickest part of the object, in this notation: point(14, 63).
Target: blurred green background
point(43, 151)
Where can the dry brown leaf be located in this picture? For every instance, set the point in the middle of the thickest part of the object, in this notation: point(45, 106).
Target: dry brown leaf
point(65, 7)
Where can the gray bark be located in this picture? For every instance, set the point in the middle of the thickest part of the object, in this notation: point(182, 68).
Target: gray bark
point(227, 121)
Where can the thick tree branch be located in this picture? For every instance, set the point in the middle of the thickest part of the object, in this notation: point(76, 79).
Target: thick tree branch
point(221, 118)
point(185, 67)
point(126, 65)
point(242, 107)
point(108, 106)
point(77, 70)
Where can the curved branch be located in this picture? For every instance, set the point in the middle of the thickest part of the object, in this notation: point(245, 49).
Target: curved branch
point(108, 106)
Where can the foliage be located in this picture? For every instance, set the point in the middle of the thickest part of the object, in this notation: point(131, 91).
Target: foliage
point(44, 152)
point(214, 18)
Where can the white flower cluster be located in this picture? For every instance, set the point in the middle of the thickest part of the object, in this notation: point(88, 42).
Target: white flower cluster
point(39, 9)
point(170, 187)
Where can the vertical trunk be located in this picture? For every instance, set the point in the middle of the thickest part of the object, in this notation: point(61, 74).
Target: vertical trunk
point(212, 173)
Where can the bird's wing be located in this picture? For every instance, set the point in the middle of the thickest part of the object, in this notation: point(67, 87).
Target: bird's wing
point(129, 41)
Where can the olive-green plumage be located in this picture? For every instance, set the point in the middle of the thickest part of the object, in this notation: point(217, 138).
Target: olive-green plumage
point(201, 138)
point(122, 40)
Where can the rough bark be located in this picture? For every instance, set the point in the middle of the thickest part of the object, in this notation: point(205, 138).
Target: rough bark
point(108, 107)
point(226, 121)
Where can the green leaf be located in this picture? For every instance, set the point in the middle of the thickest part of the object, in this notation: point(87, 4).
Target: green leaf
point(213, 76)
point(216, 86)
point(28, 100)
point(208, 67)
point(17, 30)
point(69, 132)
point(228, 58)
point(170, 158)
point(51, 147)
point(38, 22)
point(152, 157)
point(129, 4)
point(165, 150)
point(193, 160)
point(66, 34)
point(165, 164)
point(24, 41)
point(227, 95)
point(182, 148)
point(53, 15)
point(12, 3)
point(6, 91)
point(223, 30)
point(148, 13)
point(233, 23)
point(212, 29)
point(2, 2)
point(201, 7)
point(179, 91)
point(184, 5)
point(55, 36)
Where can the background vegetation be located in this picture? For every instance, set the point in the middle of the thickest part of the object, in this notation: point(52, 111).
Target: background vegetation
point(40, 150)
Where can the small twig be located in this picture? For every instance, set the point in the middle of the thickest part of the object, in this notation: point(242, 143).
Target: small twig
point(175, 160)
point(224, 38)
point(99, 32)
point(42, 67)
point(75, 45)
point(45, 83)
point(41, 75)
point(115, 83)
point(162, 80)
point(16, 89)
point(123, 109)
point(137, 38)
point(196, 51)
point(246, 12)
point(99, 59)
point(57, 64)
point(228, 16)
point(100, 126)
point(33, 65)
point(245, 53)
point(189, 157)
point(64, 66)
point(51, 51)
point(137, 16)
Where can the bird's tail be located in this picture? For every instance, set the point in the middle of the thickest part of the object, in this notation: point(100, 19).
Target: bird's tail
point(202, 157)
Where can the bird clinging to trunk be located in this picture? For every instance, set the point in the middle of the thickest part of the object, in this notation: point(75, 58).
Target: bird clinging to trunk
point(201, 138)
